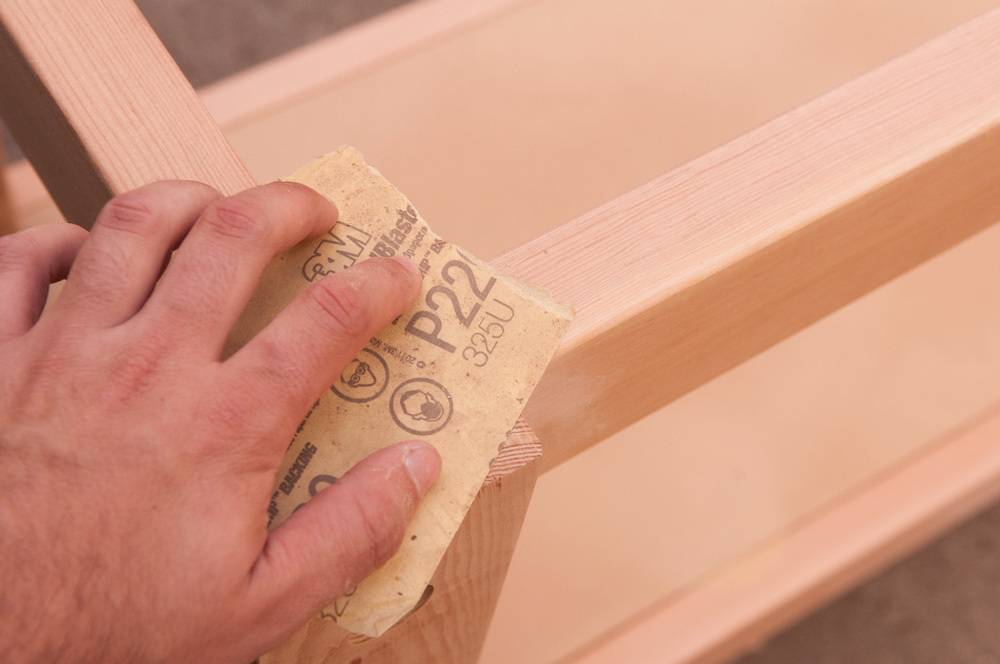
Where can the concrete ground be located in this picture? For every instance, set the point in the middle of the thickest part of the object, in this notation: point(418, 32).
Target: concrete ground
point(941, 606)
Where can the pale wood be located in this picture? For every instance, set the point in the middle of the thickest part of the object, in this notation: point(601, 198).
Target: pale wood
point(351, 52)
point(449, 628)
point(248, 96)
point(768, 447)
point(99, 107)
point(692, 274)
point(714, 81)
point(737, 608)
point(270, 151)
point(602, 311)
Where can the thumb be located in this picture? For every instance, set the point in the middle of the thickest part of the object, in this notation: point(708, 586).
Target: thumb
point(339, 537)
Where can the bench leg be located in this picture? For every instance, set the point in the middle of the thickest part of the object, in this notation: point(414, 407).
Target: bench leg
point(451, 625)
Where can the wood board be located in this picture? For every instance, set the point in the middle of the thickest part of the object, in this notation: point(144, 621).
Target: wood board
point(812, 47)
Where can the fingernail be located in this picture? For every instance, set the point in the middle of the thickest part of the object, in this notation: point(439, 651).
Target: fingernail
point(422, 463)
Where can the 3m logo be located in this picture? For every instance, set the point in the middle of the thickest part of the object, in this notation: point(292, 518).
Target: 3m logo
point(339, 250)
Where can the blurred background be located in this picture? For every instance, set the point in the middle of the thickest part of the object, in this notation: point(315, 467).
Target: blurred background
point(718, 69)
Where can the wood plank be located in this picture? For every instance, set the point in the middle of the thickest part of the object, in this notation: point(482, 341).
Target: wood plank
point(450, 626)
point(753, 454)
point(279, 114)
point(279, 145)
point(276, 147)
point(248, 96)
point(99, 106)
point(349, 53)
point(737, 608)
point(680, 280)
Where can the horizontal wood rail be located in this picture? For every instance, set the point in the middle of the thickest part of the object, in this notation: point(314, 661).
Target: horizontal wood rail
point(769, 204)
point(673, 283)
point(740, 606)
point(100, 108)
point(699, 270)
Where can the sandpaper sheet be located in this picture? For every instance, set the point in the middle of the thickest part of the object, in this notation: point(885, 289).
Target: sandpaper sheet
point(455, 370)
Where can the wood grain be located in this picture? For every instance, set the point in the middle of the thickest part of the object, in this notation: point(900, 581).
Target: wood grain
point(450, 626)
point(268, 146)
point(686, 277)
point(737, 608)
point(99, 107)
point(739, 464)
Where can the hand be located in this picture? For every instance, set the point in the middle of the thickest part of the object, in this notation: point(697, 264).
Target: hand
point(136, 465)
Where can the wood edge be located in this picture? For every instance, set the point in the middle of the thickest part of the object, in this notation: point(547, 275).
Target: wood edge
point(289, 77)
point(521, 448)
point(349, 52)
point(88, 146)
point(738, 607)
point(938, 146)
point(502, 503)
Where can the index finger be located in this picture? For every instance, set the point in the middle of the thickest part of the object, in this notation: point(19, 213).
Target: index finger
point(303, 350)
point(211, 277)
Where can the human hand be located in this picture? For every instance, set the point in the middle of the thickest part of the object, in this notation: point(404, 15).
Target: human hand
point(136, 465)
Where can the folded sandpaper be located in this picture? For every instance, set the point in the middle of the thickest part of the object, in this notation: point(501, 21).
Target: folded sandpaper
point(456, 370)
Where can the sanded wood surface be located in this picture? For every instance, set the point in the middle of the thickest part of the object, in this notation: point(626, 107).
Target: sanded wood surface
point(771, 447)
point(739, 607)
point(713, 95)
point(450, 626)
point(99, 107)
point(692, 274)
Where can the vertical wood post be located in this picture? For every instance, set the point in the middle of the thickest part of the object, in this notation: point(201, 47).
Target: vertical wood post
point(99, 107)
point(451, 624)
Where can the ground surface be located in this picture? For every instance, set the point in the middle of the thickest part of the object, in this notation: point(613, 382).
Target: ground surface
point(941, 606)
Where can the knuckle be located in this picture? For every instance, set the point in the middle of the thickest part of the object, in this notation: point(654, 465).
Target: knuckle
point(306, 194)
point(209, 192)
point(100, 269)
point(280, 371)
point(342, 307)
point(134, 375)
point(236, 219)
point(298, 195)
point(130, 213)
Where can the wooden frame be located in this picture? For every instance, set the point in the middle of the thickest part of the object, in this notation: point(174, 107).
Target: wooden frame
point(119, 130)
point(467, 582)
point(738, 608)
point(752, 242)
